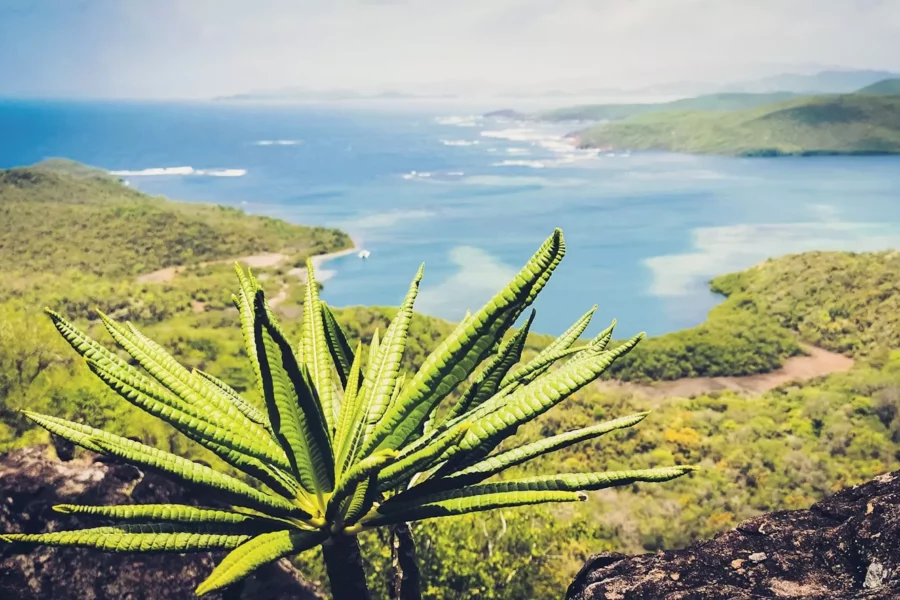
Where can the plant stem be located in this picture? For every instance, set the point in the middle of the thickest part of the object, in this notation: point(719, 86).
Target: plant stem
point(344, 564)
point(404, 581)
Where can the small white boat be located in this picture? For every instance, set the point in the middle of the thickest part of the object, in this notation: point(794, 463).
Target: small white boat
point(364, 254)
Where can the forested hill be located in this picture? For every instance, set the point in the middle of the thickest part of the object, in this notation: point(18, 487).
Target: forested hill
point(784, 449)
point(847, 124)
point(62, 215)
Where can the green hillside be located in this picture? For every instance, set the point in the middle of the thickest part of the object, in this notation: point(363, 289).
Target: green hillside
point(886, 87)
point(613, 112)
point(782, 450)
point(60, 215)
point(848, 124)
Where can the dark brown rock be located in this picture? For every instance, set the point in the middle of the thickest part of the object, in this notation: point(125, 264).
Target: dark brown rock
point(844, 547)
point(32, 480)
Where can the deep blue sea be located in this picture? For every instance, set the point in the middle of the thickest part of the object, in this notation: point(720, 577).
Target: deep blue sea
point(473, 198)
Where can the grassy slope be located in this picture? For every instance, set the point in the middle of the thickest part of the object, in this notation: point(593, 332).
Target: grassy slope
point(711, 102)
point(847, 124)
point(782, 450)
point(59, 220)
point(887, 87)
point(845, 302)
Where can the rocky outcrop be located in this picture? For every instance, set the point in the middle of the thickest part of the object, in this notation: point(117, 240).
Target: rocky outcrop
point(32, 480)
point(845, 547)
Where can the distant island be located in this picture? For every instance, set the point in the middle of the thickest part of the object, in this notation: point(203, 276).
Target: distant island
point(743, 124)
point(846, 124)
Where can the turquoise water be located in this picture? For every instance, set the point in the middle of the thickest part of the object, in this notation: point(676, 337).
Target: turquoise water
point(472, 198)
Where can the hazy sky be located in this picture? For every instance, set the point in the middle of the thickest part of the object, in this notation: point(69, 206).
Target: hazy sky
point(201, 48)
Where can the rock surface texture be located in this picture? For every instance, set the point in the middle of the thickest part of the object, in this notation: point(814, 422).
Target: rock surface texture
point(32, 480)
point(844, 547)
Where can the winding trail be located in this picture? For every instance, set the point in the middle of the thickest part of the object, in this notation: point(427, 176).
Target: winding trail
point(259, 261)
point(817, 363)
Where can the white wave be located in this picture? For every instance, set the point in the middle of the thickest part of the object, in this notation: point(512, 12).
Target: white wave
point(522, 134)
point(278, 142)
point(416, 175)
point(518, 151)
point(534, 164)
point(221, 172)
point(459, 142)
point(518, 181)
point(182, 171)
point(455, 173)
point(463, 121)
point(155, 172)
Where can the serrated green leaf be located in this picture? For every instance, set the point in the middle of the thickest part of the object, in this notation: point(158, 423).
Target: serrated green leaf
point(341, 351)
point(294, 410)
point(249, 411)
point(177, 379)
point(456, 357)
point(498, 420)
point(381, 375)
point(316, 353)
point(497, 463)
point(357, 473)
point(464, 503)
point(348, 419)
point(133, 538)
point(256, 552)
point(351, 444)
point(186, 419)
point(488, 382)
point(407, 501)
point(553, 351)
point(421, 460)
point(176, 466)
point(174, 513)
point(243, 300)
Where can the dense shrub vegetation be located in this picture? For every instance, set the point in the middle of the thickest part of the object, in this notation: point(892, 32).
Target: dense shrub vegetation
point(780, 450)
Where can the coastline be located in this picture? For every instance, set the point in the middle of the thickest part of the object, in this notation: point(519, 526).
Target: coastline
point(320, 260)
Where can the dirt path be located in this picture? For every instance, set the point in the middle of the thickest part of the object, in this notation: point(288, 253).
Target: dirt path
point(799, 368)
point(255, 261)
point(259, 261)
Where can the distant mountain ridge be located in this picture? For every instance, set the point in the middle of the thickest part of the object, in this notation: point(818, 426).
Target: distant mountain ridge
point(839, 124)
point(886, 87)
point(823, 82)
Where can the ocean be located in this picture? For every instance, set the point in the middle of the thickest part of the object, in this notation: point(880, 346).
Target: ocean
point(472, 198)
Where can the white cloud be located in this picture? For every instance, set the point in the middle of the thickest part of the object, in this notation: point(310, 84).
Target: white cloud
point(213, 47)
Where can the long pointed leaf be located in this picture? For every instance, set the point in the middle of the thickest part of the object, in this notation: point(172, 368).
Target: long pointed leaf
point(421, 460)
point(341, 352)
point(465, 504)
point(316, 353)
point(174, 513)
point(294, 411)
point(488, 382)
point(250, 411)
point(499, 420)
point(544, 358)
point(565, 482)
point(381, 375)
point(457, 355)
point(495, 464)
point(256, 552)
point(348, 420)
point(134, 538)
point(359, 472)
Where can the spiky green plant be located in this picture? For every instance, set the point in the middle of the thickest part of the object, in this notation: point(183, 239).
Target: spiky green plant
point(344, 444)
